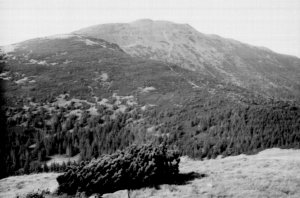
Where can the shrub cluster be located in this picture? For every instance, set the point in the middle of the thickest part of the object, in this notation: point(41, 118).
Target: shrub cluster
point(134, 167)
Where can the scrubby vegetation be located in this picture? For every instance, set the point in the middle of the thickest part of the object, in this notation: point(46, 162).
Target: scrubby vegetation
point(131, 168)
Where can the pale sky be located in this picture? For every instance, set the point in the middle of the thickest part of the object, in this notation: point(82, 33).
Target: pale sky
point(274, 24)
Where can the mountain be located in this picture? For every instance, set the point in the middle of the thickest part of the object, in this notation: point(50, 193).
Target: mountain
point(86, 68)
point(75, 94)
point(255, 68)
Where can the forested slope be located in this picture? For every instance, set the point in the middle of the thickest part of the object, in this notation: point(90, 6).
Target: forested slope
point(72, 94)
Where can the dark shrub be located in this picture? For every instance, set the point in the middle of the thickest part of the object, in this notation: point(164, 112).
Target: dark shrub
point(131, 168)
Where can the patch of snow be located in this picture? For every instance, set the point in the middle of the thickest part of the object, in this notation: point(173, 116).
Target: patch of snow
point(63, 53)
point(67, 62)
point(32, 146)
point(6, 78)
point(33, 61)
point(89, 42)
point(25, 107)
point(145, 107)
point(93, 110)
point(151, 129)
point(104, 102)
point(121, 108)
point(212, 91)
point(62, 101)
point(147, 89)
point(103, 77)
point(4, 74)
point(22, 81)
point(77, 112)
point(115, 95)
point(42, 62)
point(193, 84)
point(34, 104)
point(78, 101)
point(130, 100)
point(10, 57)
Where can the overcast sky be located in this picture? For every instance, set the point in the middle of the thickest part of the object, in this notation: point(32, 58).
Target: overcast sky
point(271, 23)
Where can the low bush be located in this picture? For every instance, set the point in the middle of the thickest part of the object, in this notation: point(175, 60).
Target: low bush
point(134, 167)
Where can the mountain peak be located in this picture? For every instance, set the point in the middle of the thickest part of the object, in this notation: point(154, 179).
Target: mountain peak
point(153, 23)
point(143, 21)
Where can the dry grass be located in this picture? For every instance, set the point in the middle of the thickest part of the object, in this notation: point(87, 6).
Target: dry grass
point(271, 173)
point(20, 185)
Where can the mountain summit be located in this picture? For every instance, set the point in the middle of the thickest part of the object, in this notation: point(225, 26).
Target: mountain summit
point(255, 68)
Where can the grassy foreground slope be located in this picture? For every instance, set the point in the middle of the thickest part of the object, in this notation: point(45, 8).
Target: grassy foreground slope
point(270, 173)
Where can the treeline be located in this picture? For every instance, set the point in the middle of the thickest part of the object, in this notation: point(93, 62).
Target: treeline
point(200, 129)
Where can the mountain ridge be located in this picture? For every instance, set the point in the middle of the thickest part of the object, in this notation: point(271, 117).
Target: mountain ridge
point(249, 66)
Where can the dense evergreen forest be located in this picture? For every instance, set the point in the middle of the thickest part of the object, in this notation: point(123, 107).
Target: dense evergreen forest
point(213, 129)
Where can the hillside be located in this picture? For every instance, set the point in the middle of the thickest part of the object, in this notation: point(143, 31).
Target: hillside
point(271, 173)
point(74, 95)
point(255, 68)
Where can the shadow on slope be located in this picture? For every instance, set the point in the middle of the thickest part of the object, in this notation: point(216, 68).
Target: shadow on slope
point(184, 178)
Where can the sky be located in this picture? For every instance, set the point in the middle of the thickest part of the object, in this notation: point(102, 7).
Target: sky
point(274, 24)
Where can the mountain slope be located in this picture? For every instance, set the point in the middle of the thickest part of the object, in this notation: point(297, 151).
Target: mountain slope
point(254, 68)
point(69, 63)
point(73, 94)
